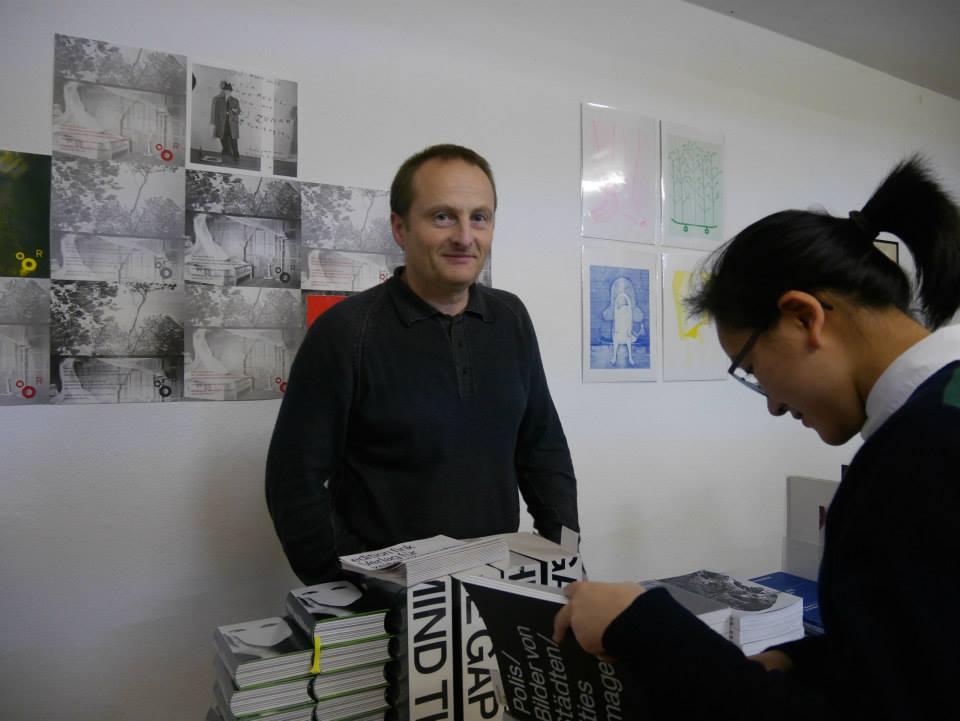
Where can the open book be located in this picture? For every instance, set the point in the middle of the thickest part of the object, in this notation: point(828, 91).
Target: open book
point(541, 679)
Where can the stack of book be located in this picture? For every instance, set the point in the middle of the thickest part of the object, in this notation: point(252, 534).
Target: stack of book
point(413, 562)
point(803, 587)
point(760, 617)
point(445, 667)
point(713, 613)
point(324, 662)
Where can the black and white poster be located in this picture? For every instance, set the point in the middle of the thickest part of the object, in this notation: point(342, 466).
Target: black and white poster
point(116, 342)
point(243, 121)
point(242, 230)
point(347, 242)
point(112, 102)
point(24, 341)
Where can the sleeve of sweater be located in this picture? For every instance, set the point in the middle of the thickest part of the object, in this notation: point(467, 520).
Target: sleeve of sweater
point(690, 671)
point(544, 468)
point(307, 447)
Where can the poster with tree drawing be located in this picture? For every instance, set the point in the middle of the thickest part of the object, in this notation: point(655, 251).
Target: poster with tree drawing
point(693, 188)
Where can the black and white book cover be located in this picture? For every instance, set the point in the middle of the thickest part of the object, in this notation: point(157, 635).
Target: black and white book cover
point(430, 650)
point(542, 679)
point(476, 688)
point(340, 612)
point(535, 559)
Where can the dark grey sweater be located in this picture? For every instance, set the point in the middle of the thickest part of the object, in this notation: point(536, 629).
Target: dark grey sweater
point(422, 423)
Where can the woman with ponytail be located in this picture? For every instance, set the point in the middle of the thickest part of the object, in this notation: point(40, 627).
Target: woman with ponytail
point(818, 320)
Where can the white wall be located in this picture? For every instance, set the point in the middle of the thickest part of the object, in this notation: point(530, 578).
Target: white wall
point(128, 533)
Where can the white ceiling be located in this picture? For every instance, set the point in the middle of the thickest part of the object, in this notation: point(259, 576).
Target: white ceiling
point(914, 40)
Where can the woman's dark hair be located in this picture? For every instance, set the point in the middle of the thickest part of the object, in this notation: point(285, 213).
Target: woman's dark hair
point(815, 251)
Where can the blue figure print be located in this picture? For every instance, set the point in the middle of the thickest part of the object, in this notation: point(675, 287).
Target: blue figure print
point(619, 313)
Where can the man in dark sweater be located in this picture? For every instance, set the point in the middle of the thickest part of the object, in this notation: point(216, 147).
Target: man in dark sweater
point(420, 406)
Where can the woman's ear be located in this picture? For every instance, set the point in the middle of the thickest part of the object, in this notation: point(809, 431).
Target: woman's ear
point(803, 312)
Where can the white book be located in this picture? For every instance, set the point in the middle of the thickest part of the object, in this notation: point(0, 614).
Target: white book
point(535, 559)
point(430, 650)
point(416, 561)
point(756, 612)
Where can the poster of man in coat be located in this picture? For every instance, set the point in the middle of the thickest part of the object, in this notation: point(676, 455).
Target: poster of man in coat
point(241, 120)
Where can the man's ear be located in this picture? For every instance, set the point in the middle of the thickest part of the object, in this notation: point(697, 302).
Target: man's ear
point(803, 312)
point(398, 228)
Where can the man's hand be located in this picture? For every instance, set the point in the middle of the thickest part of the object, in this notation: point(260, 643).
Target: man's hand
point(592, 607)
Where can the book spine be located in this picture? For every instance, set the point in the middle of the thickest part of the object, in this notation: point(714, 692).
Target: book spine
point(430, 650)
point(476, 695)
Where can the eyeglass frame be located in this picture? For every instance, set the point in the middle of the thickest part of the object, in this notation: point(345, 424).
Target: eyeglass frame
point(747, 347)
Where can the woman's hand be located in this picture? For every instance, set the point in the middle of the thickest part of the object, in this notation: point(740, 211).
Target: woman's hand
point(773, 661)
point(591, 608)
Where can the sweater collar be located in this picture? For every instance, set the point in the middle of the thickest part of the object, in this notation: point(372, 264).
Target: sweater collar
point(412, 308)
point(902, 377)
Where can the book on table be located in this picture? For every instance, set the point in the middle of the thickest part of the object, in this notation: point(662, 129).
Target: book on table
point(340, 612)
point(798, 586)
point(414, 562)
point(760, 617)
point(276, 649)
point(372, 702)
point(298, 692)
point(538, 677)
point(713, 613)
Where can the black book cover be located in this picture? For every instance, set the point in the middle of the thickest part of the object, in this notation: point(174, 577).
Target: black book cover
point(541, 679)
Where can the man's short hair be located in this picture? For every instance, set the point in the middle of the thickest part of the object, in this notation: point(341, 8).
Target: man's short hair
point(401, 190)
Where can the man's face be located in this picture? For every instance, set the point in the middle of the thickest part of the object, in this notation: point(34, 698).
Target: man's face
point(447, 233)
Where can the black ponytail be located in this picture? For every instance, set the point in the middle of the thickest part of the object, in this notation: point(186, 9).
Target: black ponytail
point(814, 251)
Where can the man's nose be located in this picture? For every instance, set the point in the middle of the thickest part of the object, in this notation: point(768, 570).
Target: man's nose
point(463, 233)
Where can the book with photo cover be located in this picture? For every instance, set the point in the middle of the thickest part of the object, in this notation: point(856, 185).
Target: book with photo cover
point(275, 649)
point(542, 679)
point(712, 612)
point(298, 692)
point(760, 617)
point(341, 612)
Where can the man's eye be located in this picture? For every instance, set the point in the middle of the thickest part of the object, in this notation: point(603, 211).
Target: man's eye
point(479, 218)
point(442, 218)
